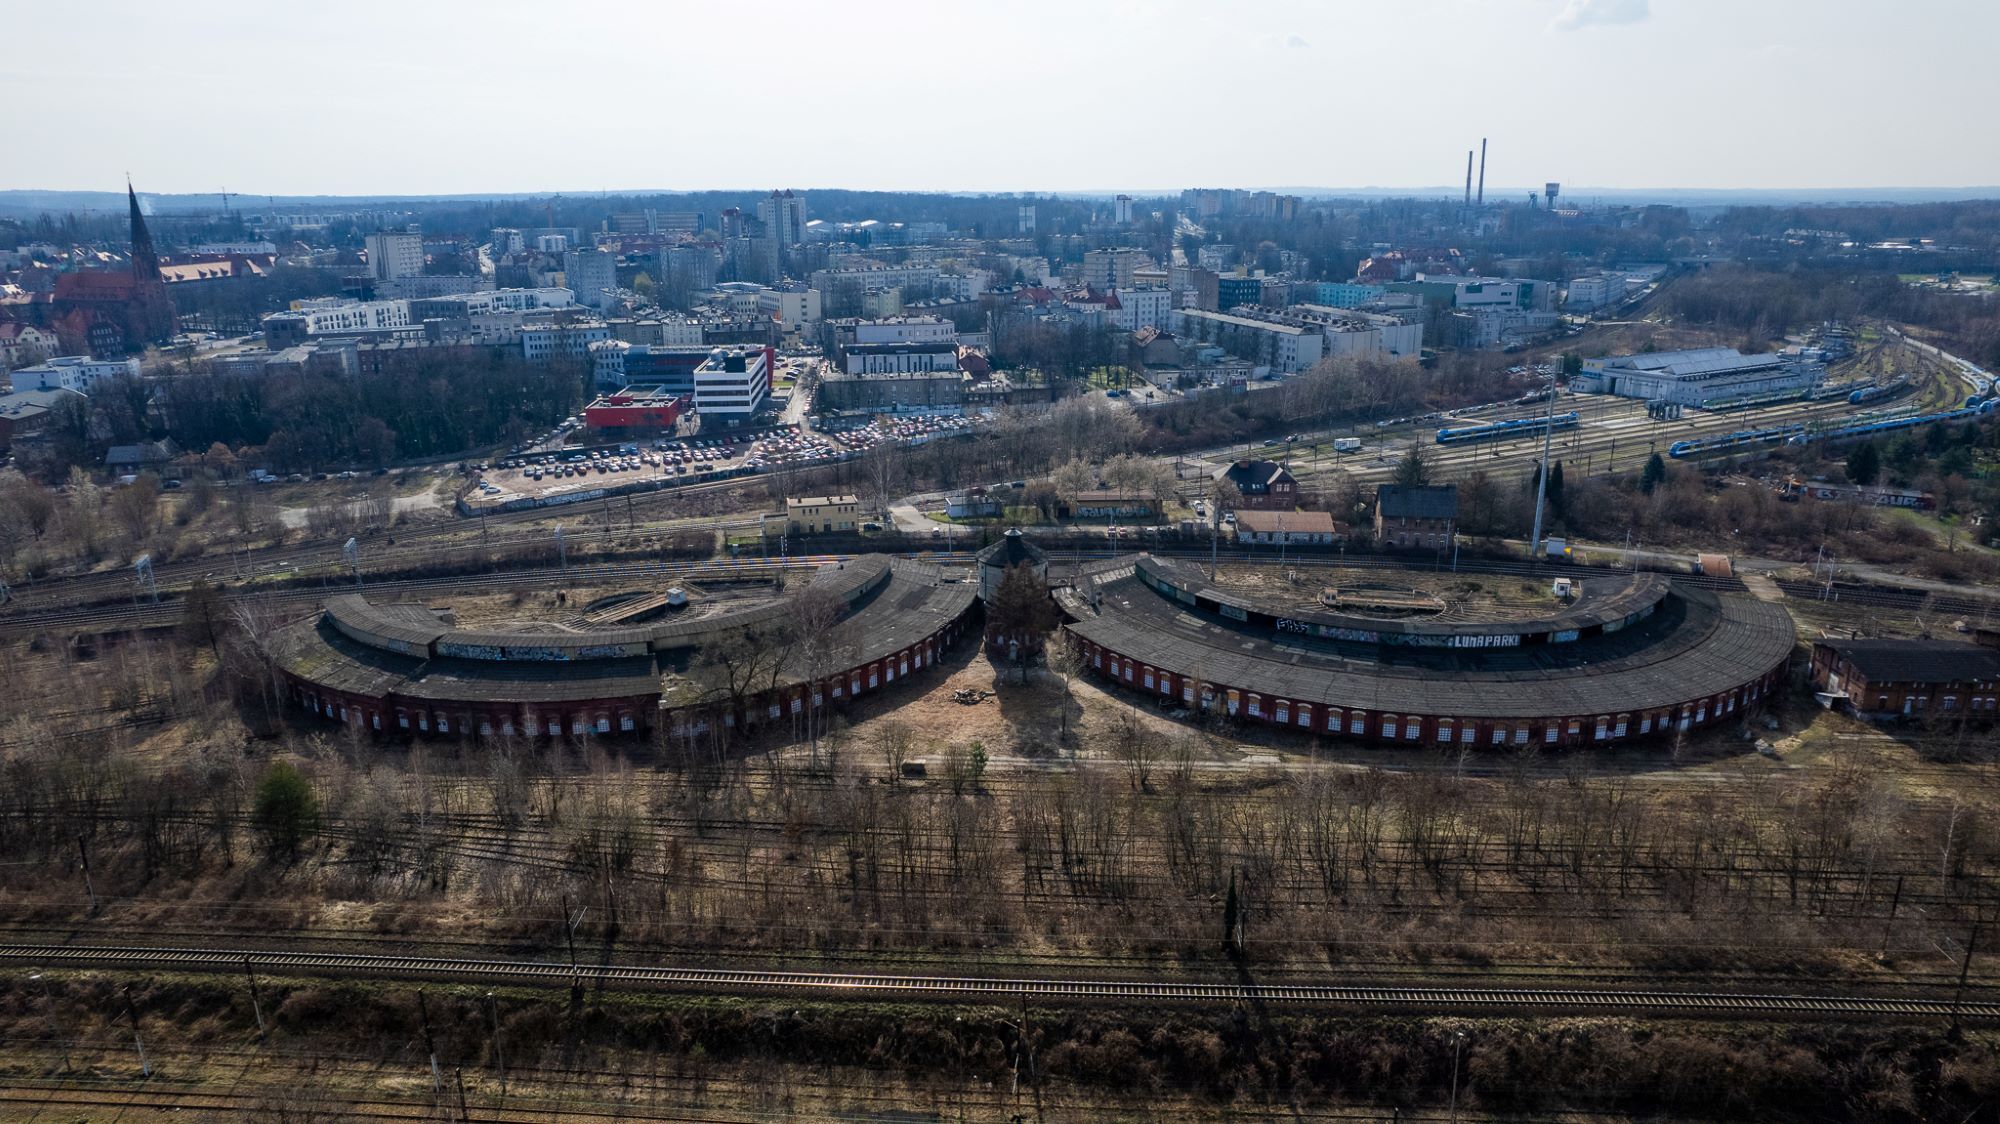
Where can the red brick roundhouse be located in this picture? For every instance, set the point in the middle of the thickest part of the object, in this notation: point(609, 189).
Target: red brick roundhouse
point(402, 669)
point(1635, 656)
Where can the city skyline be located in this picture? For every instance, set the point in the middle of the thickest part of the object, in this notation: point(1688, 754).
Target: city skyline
point(1662, 95)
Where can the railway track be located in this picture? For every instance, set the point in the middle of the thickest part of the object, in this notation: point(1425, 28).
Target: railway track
point(1881, 597)
point(168, 610)
point(984, 989)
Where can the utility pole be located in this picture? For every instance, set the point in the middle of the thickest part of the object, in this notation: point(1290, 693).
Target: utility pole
point(1542, 479)
point(569, 933)
point(139, 1045)
point(499, 1058)
point(90, 888)
point(256, 1001)
point(430, 1047)
point(1965, 968)
point(1457, 1042)
point(49, 1016)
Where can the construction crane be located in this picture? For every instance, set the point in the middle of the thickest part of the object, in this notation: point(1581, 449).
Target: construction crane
point(226, 193)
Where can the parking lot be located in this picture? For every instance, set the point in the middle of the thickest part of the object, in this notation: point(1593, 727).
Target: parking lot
point(543, 473)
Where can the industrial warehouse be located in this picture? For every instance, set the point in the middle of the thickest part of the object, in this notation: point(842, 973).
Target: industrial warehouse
point(1614, 657)
point(407, 668)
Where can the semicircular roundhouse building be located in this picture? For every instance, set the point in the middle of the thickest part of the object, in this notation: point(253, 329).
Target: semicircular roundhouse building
point(404, 668)
point(1640, 656)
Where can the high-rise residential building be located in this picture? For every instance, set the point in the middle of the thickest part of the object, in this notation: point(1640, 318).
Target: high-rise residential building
point(591, 274)
point(1112, 268)
point(507, 241)
point(1027, 218)
point(783, 214)
point(395, 253)
point(1121, 210)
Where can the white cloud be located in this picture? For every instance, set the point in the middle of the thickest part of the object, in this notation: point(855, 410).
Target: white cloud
point(1296, 42)
point(1589, 13)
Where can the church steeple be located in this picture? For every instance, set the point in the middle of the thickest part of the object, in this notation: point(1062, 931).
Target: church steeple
point(145, 260)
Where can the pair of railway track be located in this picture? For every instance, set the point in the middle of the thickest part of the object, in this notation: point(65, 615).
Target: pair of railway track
point(993, 989)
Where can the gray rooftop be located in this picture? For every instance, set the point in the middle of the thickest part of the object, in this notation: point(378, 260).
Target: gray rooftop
point(1699, 643)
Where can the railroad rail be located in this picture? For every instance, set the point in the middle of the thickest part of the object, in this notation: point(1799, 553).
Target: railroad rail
point(1003, 989)
point(1887, 597)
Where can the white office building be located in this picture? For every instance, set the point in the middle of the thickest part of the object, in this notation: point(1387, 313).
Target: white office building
point(74, 372)
point(733, 383)
point(1121, 210)
point(1595, 291)
point(394, 253)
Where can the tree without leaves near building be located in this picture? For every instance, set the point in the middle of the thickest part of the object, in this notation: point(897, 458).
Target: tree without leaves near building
point(1021, 613)
point(1065, 657)
point(202, 617)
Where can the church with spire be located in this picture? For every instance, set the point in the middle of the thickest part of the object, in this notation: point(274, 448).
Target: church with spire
point(114, 312)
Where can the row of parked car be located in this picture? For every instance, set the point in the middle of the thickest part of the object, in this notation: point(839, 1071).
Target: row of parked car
point(902, 429)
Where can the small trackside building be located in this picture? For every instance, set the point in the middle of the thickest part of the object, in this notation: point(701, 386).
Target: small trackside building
point(1286, 528)
point(1888, 680)
point(806, 515)
point(1416, 517)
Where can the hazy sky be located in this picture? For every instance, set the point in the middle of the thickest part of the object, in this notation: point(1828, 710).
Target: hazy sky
point(429, 96)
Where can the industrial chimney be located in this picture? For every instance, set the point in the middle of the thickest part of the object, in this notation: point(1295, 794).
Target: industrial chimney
point(1468, 177)
point(1482, 171)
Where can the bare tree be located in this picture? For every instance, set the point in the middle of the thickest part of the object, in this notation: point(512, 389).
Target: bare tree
point(1066, 658)
point(816, 616)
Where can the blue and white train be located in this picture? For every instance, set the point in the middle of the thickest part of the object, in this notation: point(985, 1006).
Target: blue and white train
point(1741, 439)
point(1889, 389)
point(1518, 427)
point(1891, 425)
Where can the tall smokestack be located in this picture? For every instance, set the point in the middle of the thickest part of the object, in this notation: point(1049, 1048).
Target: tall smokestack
point(1468, 177)
point(1482, 171)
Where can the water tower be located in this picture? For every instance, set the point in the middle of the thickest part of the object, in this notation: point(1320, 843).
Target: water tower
point(1550, 190)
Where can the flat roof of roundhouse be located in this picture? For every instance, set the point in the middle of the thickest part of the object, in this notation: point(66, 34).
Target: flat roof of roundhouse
point(1699, 643)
